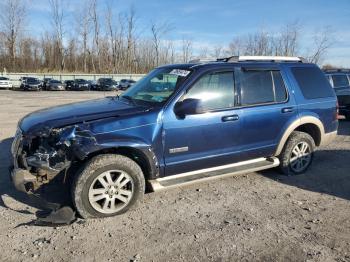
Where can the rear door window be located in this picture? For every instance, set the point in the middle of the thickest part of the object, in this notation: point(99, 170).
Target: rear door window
point(312, 82)
point(261, 87)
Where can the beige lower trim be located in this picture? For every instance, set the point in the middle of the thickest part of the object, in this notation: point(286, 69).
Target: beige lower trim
point(296, 124)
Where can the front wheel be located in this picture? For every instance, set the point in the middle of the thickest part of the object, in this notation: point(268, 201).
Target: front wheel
point(297, 154)
point(108, 185)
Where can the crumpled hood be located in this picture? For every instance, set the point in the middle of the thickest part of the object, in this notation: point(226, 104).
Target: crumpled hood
point(64, 115)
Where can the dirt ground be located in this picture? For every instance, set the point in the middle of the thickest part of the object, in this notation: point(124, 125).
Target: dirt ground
point(254, 217)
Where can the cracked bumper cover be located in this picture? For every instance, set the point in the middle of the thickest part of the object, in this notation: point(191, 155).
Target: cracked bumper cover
point(20, 178)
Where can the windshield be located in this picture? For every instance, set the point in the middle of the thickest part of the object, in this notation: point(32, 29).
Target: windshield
point(157, 86)
point(106, 80)
point(32, 80)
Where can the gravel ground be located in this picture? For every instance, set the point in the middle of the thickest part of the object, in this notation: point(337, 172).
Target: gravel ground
point(254, 217)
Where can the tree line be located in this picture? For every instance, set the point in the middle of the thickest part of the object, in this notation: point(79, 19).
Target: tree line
point(101, 41)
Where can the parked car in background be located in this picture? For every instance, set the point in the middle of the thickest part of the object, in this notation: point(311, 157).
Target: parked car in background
point(68, 84)
point(340, 81)
point(93, 84)
point(46, 80)
point(126, 83)
point(209, 126)
point(31, 84)
point(55, 85)
point(81, 85)
point(5, 83)
point(107, 84)
point(23, 79)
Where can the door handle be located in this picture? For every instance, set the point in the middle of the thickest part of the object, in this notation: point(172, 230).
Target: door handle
point(230, 118)
point(287, 110)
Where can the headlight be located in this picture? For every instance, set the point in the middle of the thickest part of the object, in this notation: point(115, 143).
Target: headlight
point(16, 141)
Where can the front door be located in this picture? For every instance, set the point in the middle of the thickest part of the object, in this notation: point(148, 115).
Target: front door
point(205, 140)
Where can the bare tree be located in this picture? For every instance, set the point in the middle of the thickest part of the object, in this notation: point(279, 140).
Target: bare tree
point(286, 44)
point(12, 22)
point(158, 31)
point(235, 47)
point(322, 42)
point(83, 22)
point(96, 28)
point(112, 34)
point(187, 50)
point(130, 38)
point(218, 51)
point(57, 16)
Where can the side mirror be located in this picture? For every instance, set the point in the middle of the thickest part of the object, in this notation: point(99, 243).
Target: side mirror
point(189, 106)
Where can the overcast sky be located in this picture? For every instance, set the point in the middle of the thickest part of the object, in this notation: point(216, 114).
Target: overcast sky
point(213, 22)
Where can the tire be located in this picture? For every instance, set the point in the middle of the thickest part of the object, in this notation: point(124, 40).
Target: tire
point(293, 149)
point(86, 186)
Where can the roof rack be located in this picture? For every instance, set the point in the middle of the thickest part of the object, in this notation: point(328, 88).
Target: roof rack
point(251, 58)
point(266, 59)
point(202, 60)
point(339, 70)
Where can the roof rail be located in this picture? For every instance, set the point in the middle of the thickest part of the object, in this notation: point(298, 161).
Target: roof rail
point(251, 58)
point(202, 60)
point(265, 59)
point(340, 70)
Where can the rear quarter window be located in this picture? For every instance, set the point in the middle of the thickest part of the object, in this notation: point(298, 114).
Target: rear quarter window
point(312, 82)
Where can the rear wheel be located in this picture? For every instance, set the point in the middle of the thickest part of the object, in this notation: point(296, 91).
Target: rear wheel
point(108, 185)
point(297, 154)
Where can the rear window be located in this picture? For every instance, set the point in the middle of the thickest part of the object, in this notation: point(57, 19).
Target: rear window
point(312, 82)
point(340, 81)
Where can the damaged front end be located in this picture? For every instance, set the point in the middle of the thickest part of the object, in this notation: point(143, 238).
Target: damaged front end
point(39, 158)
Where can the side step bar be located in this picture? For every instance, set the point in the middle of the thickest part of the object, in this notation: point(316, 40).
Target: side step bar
point(213, 173)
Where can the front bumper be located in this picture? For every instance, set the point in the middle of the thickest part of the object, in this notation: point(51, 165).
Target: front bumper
point(32, 88)
point(5, 86)
point(22, 179)
point(56, 88)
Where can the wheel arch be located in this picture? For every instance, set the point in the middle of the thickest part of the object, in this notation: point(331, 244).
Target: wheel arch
point(308, 124)
point(144, 157)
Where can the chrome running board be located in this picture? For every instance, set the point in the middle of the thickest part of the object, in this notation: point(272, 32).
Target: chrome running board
point(213, 173)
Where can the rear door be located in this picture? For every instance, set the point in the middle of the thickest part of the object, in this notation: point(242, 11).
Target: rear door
point(268, 108)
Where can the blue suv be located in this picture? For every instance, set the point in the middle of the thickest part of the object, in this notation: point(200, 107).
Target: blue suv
point(180, 124)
